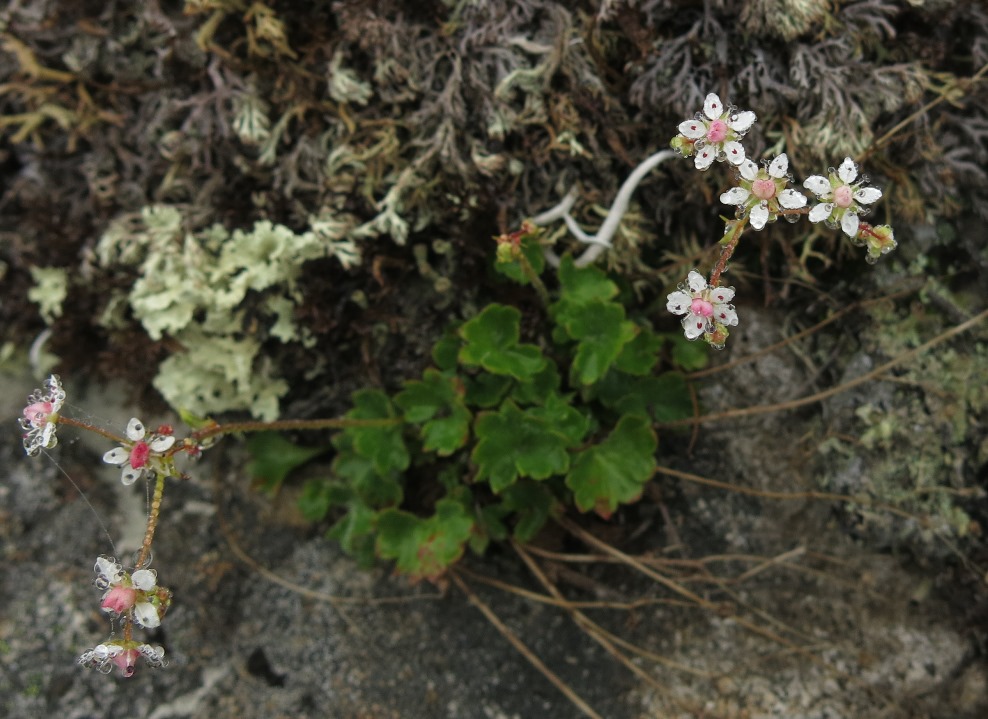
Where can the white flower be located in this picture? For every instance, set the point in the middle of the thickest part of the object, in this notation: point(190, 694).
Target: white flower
point(840, 199)
point(134, 596)
point(123, 654)
point(41, 415)
point(704, 307)
point(714, 133)
point(137, 456)
point(762, 193)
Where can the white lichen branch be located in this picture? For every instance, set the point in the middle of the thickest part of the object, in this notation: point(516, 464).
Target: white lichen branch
point(602, 239)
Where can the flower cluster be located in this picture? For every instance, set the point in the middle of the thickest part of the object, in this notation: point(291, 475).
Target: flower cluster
point(762, 195)
point(143, 453)
point(41, 416)
point(134, 599)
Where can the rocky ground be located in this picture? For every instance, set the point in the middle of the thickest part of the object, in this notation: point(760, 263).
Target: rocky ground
point(835, 627)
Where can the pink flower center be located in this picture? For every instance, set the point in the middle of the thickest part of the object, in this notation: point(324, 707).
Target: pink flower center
point(717, 132)
point(843, 197)
point(139, 455)
point(37, 413)
point(126, 661)
point(119, 599)
point(701, 307)
point(763, 189)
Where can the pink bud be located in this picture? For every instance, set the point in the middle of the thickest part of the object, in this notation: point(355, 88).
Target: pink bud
point(37, 413)
point(701, 307)
point(717, 131)
point(763, 189)
point(119, 599)
point(126, 661)
point(843, 196)
point(139, 455)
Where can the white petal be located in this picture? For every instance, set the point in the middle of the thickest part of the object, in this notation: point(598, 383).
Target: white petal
point(144, 579)
point(108, 569)
point(130, 475)
point(742, 121)
point(145, 615)
point(705, 158)
point(693, 129)
point(117, 455)
point(847, 170)
point(790, 199)
point(161, 444)
point(135, 429)
point(735, 196)
point(821, 212)
point(867, 195)
point(678, 302)
point(734, 152)
point(694, 326)
point(712, 107)
point(777, 168)
point(726, 315)
point(696, 281)
point(818, 185)
point(720, 295)
point(748, 170)
point(849, 223)
point(105, 651)
point(759, 216)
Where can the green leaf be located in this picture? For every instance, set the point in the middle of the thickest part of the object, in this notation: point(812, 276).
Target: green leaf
point(444, 352)
point(540, 387)
point(688, 356)
point(640, 355)
point(384, 446)
point(492, 342)
point(602, 332)
point(424, 548)
point(437, 394)
point(487, 390)
point(614, 471)
point(513, 443)
point(583, 285)
point(532, 504)
point(355, 532)
point(564, 419)
point(318, 496)
point(675, 400)
point(273, 457)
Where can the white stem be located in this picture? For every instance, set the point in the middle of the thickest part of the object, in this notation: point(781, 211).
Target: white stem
point(602, 239)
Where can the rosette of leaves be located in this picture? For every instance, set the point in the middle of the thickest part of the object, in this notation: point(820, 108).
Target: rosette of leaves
point(501, 435)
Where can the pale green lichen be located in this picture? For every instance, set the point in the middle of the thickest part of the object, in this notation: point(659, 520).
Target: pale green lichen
point(51, 286)
point(192, 287)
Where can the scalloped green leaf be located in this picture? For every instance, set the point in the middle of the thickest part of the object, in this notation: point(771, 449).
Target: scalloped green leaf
point(688, 356)
point(384, 446)
point(533, 504)
point(513, 443)
point(601, 332)
point(613, 472)
point(424, 547)
point(564, 418)
point(540, 387)
point(492, 343)
point(445, 351)
point(583, 285)
point(355, 532)
point(273, 457)
point(437, 394)
point(487, 390)
point(318, 496)
point(675, 401)
point(639, 356)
